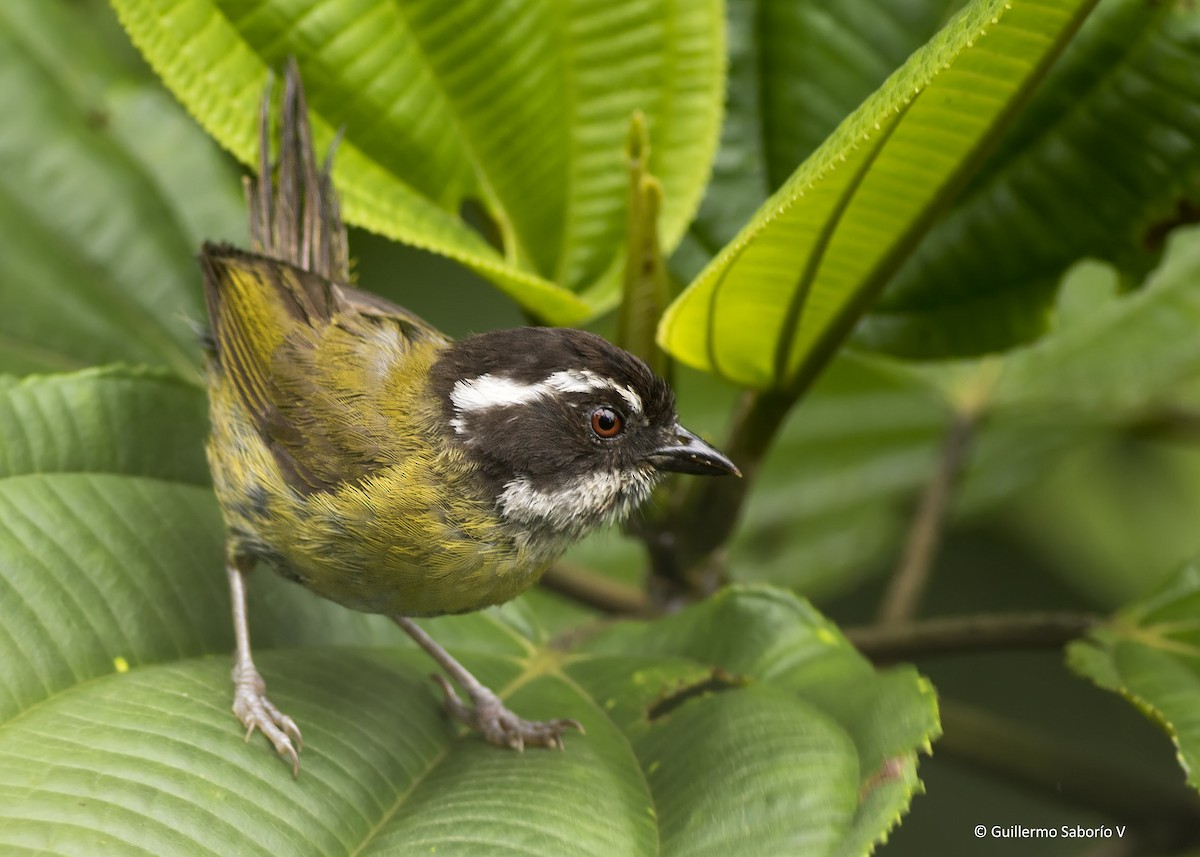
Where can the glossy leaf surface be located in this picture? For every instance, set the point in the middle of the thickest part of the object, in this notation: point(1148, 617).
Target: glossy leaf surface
point(520, 107)
point(778, 300)
point(116, 734)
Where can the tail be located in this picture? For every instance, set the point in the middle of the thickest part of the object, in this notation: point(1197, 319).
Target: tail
point(294, 219)
point(297, 218)
point(298, 256)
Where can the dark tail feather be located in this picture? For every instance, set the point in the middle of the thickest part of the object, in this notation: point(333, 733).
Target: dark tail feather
point(296, 218)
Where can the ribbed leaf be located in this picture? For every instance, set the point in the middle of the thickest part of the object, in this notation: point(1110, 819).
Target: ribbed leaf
point(519, 105)
point(1150, 654)
point(99, 228)
point(116, 738)
point(886, 717)
point(779, 299)
point(836, 489)
point(796, 70)
point(1102, 165)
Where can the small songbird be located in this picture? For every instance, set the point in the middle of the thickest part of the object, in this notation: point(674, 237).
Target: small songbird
point(361, 453)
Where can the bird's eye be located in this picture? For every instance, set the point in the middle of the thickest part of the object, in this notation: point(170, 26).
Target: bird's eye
point(606, 423)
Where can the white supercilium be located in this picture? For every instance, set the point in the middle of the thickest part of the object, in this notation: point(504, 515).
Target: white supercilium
point(493, 391)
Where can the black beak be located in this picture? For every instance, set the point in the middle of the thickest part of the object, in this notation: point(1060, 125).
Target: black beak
point(689, 454)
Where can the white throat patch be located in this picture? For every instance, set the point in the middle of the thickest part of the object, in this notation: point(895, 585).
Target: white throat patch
point(577, 507)
point(492, 391)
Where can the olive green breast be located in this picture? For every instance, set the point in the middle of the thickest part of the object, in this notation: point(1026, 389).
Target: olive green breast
point(407, 531)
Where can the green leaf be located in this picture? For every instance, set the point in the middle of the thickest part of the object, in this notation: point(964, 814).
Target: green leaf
point(1052, 456)
point(116, 735)
point(886, 716)
point(1150, 654)
point(1125, 354)
point(1102, 165)
point(520, 106)
point(1116, 507)
point(773, 306)
point(106, 190)
point(796, 70)
point(137, 422)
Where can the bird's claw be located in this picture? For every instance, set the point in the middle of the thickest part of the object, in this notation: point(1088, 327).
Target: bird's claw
point(252, 707)
point(488, 715)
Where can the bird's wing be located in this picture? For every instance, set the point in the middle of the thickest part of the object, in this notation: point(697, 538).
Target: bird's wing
point(327, 374)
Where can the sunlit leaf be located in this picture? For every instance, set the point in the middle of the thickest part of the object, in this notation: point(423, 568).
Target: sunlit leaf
point(775, 304)
point(519, 106)
point(1102, 165)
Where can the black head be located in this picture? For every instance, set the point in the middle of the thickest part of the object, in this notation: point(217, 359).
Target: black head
point(565, 428)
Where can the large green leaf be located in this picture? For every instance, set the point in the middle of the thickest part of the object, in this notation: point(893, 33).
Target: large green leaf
point(1127, 354)
point(522, 106)
point(1103, 164)
point(116, 735)
point(106, 190)
point(796, 70)
point(1115, 511)
point(1150, 654)
point(1102, 159)
point(778, 300)
point(1051, 454)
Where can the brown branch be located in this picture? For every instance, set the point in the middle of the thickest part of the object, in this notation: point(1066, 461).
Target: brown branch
point(1170, 424)
point(955, 634)
point(592, 590)
point(924, 536)
point(704, 512)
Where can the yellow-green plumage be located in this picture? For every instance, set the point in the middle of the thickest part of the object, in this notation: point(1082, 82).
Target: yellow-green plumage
point(360, 452)
point(328, 451)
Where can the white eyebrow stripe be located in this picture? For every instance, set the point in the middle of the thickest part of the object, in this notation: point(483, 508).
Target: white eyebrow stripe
point(493, 391)
point(490, 391)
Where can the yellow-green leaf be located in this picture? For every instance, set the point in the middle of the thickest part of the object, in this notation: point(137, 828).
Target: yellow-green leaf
point(520, 106)
point(772, 307)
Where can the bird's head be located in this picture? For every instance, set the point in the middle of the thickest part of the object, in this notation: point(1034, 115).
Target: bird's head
point(566, 429)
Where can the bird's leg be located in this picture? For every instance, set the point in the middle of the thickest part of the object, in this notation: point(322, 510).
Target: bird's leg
point(250, 701)
point(487, 713)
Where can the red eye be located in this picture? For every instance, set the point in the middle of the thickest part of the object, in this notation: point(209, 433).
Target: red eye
point(606, 423)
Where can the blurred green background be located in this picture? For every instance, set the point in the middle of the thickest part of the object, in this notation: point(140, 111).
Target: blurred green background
point(1081, 491)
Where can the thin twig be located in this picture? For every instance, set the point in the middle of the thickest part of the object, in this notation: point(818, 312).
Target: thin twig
point(924, 536)
point(955, 634)
point(592, 590)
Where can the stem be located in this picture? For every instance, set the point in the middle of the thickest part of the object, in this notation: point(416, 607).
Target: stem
point(1169, 424)
point(955, 634)
point(592, 590)
point(706, 511)
point(924, 535)
point(1033, 758)
point(647, 287)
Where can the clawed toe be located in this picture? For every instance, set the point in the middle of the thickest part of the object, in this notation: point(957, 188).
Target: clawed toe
point(500, 726)
point(252, 707)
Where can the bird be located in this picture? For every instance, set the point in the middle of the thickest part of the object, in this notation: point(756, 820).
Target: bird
point(360, 452)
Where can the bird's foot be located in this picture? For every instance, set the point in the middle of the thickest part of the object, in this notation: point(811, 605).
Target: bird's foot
point(500, 726)
point(252, 707)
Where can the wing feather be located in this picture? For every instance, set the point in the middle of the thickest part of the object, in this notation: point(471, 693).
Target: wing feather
point(322, 370)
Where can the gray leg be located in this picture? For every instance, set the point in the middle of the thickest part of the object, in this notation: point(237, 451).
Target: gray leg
point(487, 713)
point(250, 701)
